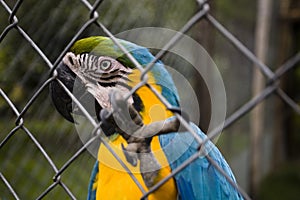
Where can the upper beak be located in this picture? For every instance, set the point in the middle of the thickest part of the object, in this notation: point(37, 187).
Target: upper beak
point(61, 100)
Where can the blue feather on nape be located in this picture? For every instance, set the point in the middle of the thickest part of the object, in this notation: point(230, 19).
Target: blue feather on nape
point(161, 75)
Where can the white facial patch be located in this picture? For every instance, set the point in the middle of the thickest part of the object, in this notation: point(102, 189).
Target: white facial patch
point(99, 74)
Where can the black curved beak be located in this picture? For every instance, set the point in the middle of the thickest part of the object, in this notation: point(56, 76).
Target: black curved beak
point(61, 100)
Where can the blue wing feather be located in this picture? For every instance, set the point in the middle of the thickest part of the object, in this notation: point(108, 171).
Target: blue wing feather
point(199, 180)
point(93, 179)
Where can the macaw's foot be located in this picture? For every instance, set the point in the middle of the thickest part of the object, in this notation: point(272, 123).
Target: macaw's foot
point(149, 166)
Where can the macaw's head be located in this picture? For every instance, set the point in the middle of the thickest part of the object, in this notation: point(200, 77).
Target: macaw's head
point(96, 65)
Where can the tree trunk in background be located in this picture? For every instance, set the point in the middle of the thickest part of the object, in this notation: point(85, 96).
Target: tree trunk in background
point(258, 84)
point(205, 38)
point(289, 44)
point(279, 143)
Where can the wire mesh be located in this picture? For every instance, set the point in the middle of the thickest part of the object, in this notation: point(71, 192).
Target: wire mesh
point(94, 19)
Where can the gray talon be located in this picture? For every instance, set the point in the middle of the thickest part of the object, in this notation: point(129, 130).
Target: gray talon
point(132, 159)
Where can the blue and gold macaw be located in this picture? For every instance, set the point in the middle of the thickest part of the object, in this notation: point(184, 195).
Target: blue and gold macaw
point(102, 67)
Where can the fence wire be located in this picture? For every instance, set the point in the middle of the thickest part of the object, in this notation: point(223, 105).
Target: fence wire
point(272, 87)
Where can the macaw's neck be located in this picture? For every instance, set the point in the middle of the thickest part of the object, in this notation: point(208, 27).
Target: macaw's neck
point(146, 102)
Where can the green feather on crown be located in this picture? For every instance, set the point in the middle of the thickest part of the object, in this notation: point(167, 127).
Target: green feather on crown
point(104, 46)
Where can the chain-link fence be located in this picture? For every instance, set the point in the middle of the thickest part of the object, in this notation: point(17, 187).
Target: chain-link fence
point(59, 167)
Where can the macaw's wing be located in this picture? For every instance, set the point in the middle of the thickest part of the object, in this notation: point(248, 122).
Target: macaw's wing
point(200, 179)
point(93, 183)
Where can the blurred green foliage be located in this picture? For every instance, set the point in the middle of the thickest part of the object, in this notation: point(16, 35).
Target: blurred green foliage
point(283, 183)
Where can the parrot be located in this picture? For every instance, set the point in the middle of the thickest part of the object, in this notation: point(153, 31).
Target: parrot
point(142, 131)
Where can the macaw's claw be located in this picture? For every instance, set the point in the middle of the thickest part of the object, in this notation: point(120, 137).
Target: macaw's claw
point(149, 168)
point(131, 157)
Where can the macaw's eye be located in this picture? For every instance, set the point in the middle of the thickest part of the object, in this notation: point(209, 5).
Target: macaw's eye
point(105, 65)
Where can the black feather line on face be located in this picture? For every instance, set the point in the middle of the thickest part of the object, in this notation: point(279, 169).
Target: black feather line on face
point(111, 77)
point(105, 84)
point(113, 84)
point(114, 72)
point(107, 78)
point(95, 61)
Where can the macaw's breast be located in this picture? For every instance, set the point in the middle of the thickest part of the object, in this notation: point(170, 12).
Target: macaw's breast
point(113, 182)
